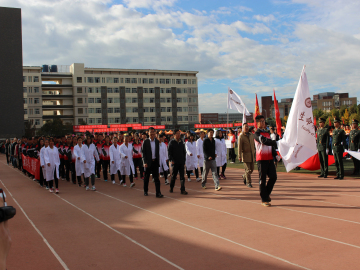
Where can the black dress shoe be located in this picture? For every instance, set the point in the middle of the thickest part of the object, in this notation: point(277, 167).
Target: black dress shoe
point(320, 176)
point(249, 185)
point(171, 190)
point(145, 194)
point(184, 192)
point(341, 178)
point(336, 177)
point(159, 195)
point(269, 199)
point(325, 176)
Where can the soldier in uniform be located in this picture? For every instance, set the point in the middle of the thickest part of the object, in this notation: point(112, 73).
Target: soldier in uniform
point(323, 147)
point(338, 142)
point(354, 144)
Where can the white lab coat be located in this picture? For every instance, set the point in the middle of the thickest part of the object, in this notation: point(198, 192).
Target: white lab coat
point(221, 152)
point(200, 152)
point(51, 156)
point(126, 163)
point(191, 161)
point(164, 156)
point(79, 163)
point(114, 156)
point(42, 161)
point(88, 153)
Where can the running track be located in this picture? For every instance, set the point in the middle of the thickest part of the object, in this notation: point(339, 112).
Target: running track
point(313, 224)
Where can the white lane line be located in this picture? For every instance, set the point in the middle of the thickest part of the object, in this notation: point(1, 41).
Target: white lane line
point(279, 207)
point(37, 230)
point(184, 224)
point(124, 235)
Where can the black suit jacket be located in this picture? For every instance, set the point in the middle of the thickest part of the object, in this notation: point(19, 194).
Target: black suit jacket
point(147, 154)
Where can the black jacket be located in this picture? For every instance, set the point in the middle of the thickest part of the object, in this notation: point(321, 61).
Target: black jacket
point(177, 152)
point(147, 154)
point(209, 148)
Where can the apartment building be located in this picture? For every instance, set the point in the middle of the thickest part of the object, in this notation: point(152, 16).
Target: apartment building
point(80, 95)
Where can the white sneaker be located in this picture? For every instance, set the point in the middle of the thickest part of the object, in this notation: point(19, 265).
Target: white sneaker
point(51, 190)
point(93, 188)
point(113, 181)
point(198, 179)
point(124, 185)
point(87, 188)
point(121, 181)
point(166, 182)
point(189, 180)
point(132, 184)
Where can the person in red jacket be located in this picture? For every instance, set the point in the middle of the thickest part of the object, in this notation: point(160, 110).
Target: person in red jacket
point(265, 151)
point(137, 157)
point(232, 139)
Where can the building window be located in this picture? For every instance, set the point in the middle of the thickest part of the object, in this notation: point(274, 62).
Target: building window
point(162, 100)
point(178, 90)
point(185, 118)
point(117, 120)
point(98, 120)
point(178, 81)
point(30, 89)
point(31, 111)
point(163, 109)
point(184, 81)
point(79, 79)
point(169, 109)
point(97, 90)
point(190, 118)
point(79, 90)
point(127, 90)
point(152, 100)
point(151, 81)
point(24, 78)
point(109, 90)
point(134, 100)
point(135, 120)
point(111, 120)
point(91, 120)
point(90, 79)
point(169, 119)
point(168, 90)
point(37, 111)
point(152, 119)
point(152, 109)
point(194, 109)
point(167, 81)
point(116, 90)
point(98, 110)
point(25, 101)
point(91, 100)
point(185, 91)
point(98, 100)
point(194, 81)
point(190, 109)
point(37, 122)
point(79, 101)
point(133, 80)
point(116, 110)
point(135, 109)
point(144, 80)
point(146, 109)
point(109, 100)
point(189, 81)
point(97, 79)
point(109, 80)
point(145, 90)
point(116, 80)
point(127, 80)
point(30, 79)
point(185, 109)
point(162, 81)
point(36, 89)
point(185, 99)
point(195, 118)
point(121, 80)
point(128, 109)
point(146, 100)
point(162, 90)
point(36, 78)
point(25, 111)
point(179, 109)
point(128, 119)
point(24, 89)
point(134, 90)
point(156, 81)
point(116, 100)
point(128, 100)
point(110, 110)
point(36, 100)
point(168, 100)
point(80, 110)
point(151, 90)
point(91, 110)
point(178, 100)
point(179, 118)
point(90, 90)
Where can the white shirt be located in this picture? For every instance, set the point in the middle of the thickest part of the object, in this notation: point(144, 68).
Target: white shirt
point(152, 143)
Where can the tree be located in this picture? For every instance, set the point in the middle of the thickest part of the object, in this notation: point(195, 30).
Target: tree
point(342, 110)
point(346, 117)
point(353, 109)
point(318, 113)
point(354, 116)
point(82, 122)
point(29, 130)
point(55, 127)
point(335, 113)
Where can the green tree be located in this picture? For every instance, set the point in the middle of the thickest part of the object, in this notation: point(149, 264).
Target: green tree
point(335, 113)
point(29, 130)
point(353, 109)
point(342, 110)
point(354, 116)
point(318, 113)
point(346, 117)
point(55, 127)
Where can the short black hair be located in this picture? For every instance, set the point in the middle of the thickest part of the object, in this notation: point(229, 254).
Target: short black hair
point(210, 129)
point(176, 130)
point(151, 128)
point(161, 135)
point(259, 117)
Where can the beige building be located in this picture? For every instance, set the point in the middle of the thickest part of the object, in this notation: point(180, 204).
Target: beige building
point(79, 95)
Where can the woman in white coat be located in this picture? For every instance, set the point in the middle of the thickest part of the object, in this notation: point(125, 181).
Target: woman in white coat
point(42, 146)
point(221, 152)
point(79, 164)
point(127, 164)
point(163, 157)
point(115, 160)
point(191, 157)
point(88, 152)
point(200, 152)
point(52, 161)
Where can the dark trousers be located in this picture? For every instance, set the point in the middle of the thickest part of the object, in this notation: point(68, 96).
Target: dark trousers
point(232, 155)
point(7, 158)
point(338, 155)
point(323, 157)
point(138, 163)
point(73, 172)
point(51, 182)
point(113, 176)
point(266, 168)
point(105, 165)
point(20, 163)
point(61, 168)
point(223, 168)
point(67, 169)
point(42, 181)
point(189, 172)
point(356, 165)
point(79, 180)
point(178, 168)
point(98, 168)
point(130, 177)
point(154, 170)
point(92, 180)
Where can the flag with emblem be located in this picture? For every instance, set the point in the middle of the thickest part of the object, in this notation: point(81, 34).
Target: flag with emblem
point(235, 102)
point(299, 143)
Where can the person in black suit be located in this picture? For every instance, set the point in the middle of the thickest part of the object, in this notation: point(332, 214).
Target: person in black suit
point(151, 162)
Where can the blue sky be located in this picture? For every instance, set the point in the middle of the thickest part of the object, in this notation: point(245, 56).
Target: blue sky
point(250, 46)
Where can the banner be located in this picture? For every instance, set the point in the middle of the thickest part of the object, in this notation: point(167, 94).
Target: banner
point(31, 165)
point(277, 116)
point(299, 143)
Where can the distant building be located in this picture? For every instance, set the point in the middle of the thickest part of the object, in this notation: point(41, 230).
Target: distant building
point(222, 118)
point(266, 102)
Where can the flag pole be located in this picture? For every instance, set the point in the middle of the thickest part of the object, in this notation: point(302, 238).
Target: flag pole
point(227, 110)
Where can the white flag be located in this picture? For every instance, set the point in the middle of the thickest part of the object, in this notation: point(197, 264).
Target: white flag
point(354, 154)
point(244, 116)
point(299, 143)
point(235, 102)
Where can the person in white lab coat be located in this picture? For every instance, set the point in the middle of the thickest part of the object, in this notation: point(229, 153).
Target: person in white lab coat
point(221, 152)
point(127, 164)
point(79, 164)
point(200, 152)
point(191, 157)
point(52, 161)
point(88, 152)
point(115, 160)
point(164, 157)
point(43, 145)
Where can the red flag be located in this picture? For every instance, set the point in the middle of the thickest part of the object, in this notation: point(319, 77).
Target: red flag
point(329, 122)
point(314, 121)
point(277, 116)
point(257, 111)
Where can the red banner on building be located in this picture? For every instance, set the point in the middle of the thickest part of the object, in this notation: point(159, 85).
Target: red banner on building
point(31, 165)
